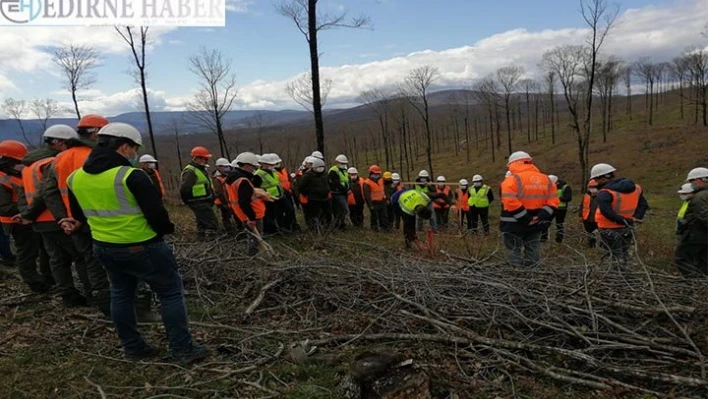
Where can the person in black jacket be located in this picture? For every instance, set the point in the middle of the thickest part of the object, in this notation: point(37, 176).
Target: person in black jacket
point(565, 194)
point(356, 199)
point(314, 185)
point(245, 208)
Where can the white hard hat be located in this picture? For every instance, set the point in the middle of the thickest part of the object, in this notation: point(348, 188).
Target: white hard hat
point(423, 173)
point(553, 178)
point(686, 189)
point(396, 176)
point(518, 155)
point(276, 158)
point(62, 132)
point(341, 159)
point(697, 173)
point(507, 174)
point(147, 159)
point(269, 159)
point(247, 158)
point(352, 171)
point(317, 155)
point(292, 175)
point(601, 169)
point(222, 162)
point(464, 182)
point(309, 159)
point(234, 163)
point(122, 130)
point(477, 178)
point(441, 179)
point(316, 163)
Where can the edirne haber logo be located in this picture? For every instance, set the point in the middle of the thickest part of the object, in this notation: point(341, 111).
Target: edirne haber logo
point(112, 12)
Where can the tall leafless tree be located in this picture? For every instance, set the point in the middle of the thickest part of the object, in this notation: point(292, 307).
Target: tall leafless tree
point(680, 72)
point(508, 78)
point(257, 122)
point(44, 109)
point(217, 92)
point(529, 86)
point(300, 90)
point(608, 73)
point(697, 61)
point(646, 70)
point(627, 79)
point(487, 93)
point(416, 87)
point(77, 63)
point(551, 81)
point(17, 110)
point(310, 23)
point(138, 41)
point(379, 102)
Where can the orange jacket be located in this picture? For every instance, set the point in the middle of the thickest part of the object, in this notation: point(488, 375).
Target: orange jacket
point(443, 201)
point(526, 194)
point(257, 203)
point(376, 191)
point(65, 164)
point(462, 199)
point(159, 182)
point(623, 204)
point(31, 178)
point(11, 183)
point(284, 178)
point(219, 186)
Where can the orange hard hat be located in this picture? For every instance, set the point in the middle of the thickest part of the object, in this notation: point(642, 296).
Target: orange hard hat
point(592, 183)
point(375, 169)
point(12, 149)
point(200, 152)
point(92, 121)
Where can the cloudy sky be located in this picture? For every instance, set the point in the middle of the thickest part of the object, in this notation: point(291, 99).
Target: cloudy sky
point(465, 39)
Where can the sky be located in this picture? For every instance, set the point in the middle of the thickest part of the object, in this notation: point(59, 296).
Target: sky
point(464, 39)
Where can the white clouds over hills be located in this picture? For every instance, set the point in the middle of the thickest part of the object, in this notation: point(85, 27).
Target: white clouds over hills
point(658, 32)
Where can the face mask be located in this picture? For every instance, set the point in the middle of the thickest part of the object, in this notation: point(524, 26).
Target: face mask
point(478, 185)
point(694, 186)
point(375, 177)
point(441, 185)
point(343, 166)
point(685, 196)
point(463, 187)
point(395, 182)
point(353, 177)
point(593, 191)
point(319, 169)
point(424, 180)
point(134, 160)
point(151, 166)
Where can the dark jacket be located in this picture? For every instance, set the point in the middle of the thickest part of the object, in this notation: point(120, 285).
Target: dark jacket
point(50, 187)
point(567, 194)
point(153, 179)
point(389, 189)
point(188, 179)
point(8, 207)
point(245, 191)
point(314, 186)
point(150, 203)
point(695, 230)
point(358, 192)
point(335, 184)
point(38, 205)
point(604, 200)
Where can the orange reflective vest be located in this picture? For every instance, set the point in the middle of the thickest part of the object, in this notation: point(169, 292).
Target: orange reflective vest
point(351, 200)
point(65, 164)
point(284, 177)
point(257, 203)
point(526, 190)
point(623, 204)
point(585, 207)
point(159, 181)
point(377, 190)
point(462, 202)
point(31, 178)
point(12, 183)
point(222, 186)
point(440, 203)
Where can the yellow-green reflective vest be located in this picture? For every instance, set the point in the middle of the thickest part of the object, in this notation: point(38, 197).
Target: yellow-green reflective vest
point(343, 176)
point(410, 199)
point(478, 197)
point(682, 210)
point(202, 187)
point(110, 207)
point(270, 182)
point(559, 193)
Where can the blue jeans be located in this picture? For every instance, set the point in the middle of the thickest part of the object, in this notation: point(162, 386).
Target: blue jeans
point(5, 251)
point(155, 264)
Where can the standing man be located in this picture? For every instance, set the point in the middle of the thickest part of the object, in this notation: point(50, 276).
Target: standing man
point(339, 185)
point(223, 167)
point(528, 202)
point(314, 189)
point(620, 205)
point(565, 195)
point(270, 182)
point(148, 164)
point(462, 197)
point(287, 203)
point(128, 222)
point(691, 256)
point(412, 204)
point(196, 192)
point(375, 196)
point(588, 209)
point(442, 203)
point(355, 198)
point(481, 196)
point(394, 216)
point(422, 185)
point(248, 207)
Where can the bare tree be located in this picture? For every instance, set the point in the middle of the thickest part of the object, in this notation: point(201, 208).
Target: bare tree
point(551, 81)
point(508, 78)
point(76, 63)
point(138, 41)
point(608, 73)
point(529, 86)
point(487, 93)
point(217, 92)
point(646, 70)
point(44, 109)
point(697, 61)
point(380, 103)
point(680, 72)
point(310, 22)
point(300, 90)
point(17, 110)
point(175, 129)
point(257, 122)
point(416, 87)
point(627, 78)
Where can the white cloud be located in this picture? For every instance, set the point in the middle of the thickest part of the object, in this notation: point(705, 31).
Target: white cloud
point(238, 5)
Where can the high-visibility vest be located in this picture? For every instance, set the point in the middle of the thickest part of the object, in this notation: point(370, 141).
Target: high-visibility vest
point(202, 187)
point(623, 204)
point(562, 205)
point(377, 189)
point(411, 199)
point(284, 177)
point(65, 163)
point(159, 181)
point(222, 184)
point(270, 182)
point(31, 179)
point(110, 207)
point(682, 210)
point(12, 183)
point(443, 204)
point(585, 207)
point(351, 200)
point(462, 199)
point(343, 176)
point(257, 203)
point(526, 190)
point(479, 197)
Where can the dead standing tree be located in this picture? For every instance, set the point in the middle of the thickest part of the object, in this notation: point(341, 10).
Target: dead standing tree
point(646, 70)
point(487, 93)
point(416, 87)
point(300, 90)
point(530, 86)
point(551, 81)
point(216, 95)
point(76, 63)
point(508, 78)
point(44, 109)
point(137, 49)
point(310, 22)
point(17, 110)
point(379, 102)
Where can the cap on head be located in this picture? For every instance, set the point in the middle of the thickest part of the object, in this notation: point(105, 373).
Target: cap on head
point(60, 132)
point(200, 152)
point(601, 170)
point(317, 163)
point(92, 121)
point(388, 175)
point(519, 156)
point(317, 155)
point(441, 179)
point(122, 130)
point(697, 173)
point(396, 176)
point(12, 149)
point(147, 159)
point(477, 178)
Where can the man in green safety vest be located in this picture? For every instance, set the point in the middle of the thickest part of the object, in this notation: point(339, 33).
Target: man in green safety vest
point(339, 186)
point(685, 193)
point(691, 256)
point(197, 193)
point(480, 196)
point(128, 222)
point(411, 204)
point(565, 194)
point(270, 182)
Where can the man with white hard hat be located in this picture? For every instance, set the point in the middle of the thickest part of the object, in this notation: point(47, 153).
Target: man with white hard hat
point(691, 255)
point(620, 205)
point(148, 164)
point(395, 213)
point(223, 168)
point(339, 185)
point(423, 186)
point(248, 207)
point(355, 198)
point(480, 197)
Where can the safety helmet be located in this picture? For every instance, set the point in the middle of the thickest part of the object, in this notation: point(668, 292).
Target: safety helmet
point(697, 173)
point(222, 162)
point(376, 169)
point(200, 152)
point(293, 175)
point(686, 188)
point(388, 175)
point(247, 158)
point(507, 174)
point(423, 173)
point(317, 155)
point(60, 132)
point(600, 170)
point(12, 149)
point(309, 160)
point(441, 179)
point(341, 158)
point(147, 159)
point(317, 162)
point(268, 159)
point(518, 156)
point(477, 178)
point(352, 171)
point(396, 176)
point(276, 158)
point(592, 183)
point(553, 178)
point(122, 130)
point(234, 164)
point(92, 121)
point(464, 182)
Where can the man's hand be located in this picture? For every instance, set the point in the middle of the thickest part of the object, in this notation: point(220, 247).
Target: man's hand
point(251, 224)
point(69, 225)
point(19, 219)
point(534, 221)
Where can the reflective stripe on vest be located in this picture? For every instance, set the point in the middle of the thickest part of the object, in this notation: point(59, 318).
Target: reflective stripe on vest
point(462, 199)
point(411, 199)
point(12, 183)
point(478, 198)
point(256, 202)
point(110, 207)
point(682, 210)
point(270, 182)
point(343, 176)
point(624, 205)
point(202, 187)
point(31, 180)
point(559, 193)
point(377, 189)
point(65, 163)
